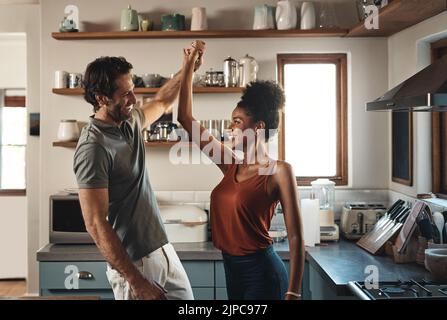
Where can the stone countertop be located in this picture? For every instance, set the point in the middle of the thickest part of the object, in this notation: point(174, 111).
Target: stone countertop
point(337, 263)
point(341, 262)
point(185, 251)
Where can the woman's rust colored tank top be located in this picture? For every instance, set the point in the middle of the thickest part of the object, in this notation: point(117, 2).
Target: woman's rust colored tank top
point(241, 213)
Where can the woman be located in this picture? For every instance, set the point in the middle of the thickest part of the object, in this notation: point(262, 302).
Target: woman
point(243, 203)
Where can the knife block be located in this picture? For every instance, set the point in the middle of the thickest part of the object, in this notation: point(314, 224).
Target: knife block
point(408, 256)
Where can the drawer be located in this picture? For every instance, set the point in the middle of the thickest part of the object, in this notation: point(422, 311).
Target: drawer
point(203, 293)
point(200, 273)
point(103, 294)
point(65, 275)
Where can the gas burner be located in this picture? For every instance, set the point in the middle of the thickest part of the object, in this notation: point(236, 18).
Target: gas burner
point(393, 290)
point(400, 290)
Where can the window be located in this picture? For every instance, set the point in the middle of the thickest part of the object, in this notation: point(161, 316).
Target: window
point(12, 144)
point(439, 135)
point(313, 134)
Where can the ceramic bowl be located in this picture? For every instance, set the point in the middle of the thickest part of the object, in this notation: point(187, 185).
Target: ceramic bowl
point(436, 263)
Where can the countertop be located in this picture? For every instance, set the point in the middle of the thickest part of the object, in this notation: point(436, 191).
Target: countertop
point(337, 263)
point(185, 251)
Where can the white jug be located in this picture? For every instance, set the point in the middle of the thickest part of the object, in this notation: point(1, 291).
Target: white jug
point(68, 130)
point(263, 17)
point(248, 69)
point(307, 16)
point(198, 20)
point(286, 16)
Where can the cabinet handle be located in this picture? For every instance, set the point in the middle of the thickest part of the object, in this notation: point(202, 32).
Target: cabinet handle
point(85, 275)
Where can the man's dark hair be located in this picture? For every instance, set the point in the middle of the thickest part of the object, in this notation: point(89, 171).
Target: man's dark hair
point(262, 100)
point(100, 76)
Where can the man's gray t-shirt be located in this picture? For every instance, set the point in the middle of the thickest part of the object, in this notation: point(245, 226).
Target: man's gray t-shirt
point(108, 156)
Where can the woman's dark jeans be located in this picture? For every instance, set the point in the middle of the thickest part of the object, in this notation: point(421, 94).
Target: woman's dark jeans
point(257, 276)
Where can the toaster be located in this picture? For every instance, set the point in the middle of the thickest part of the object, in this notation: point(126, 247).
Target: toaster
point(358, 219)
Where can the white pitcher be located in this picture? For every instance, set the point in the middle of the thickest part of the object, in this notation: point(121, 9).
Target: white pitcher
point(199, 20)
point(307, 15)
point(286, 16)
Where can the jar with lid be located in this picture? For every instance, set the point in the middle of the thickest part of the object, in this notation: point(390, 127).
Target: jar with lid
point(230, 72)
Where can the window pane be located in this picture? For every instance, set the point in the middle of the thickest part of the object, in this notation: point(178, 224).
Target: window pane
point(13, 126)
point(13, 167)
point(310, 118)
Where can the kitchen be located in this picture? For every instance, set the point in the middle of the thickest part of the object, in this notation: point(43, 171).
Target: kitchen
point(375, 65)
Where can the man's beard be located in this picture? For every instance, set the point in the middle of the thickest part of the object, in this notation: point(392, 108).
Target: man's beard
point(116, 113)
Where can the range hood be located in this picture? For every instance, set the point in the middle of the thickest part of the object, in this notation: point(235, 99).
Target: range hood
point(425, 91)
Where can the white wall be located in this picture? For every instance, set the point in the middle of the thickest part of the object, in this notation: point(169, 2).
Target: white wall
point(13, 238)
point(13, 247)
point(26, 18)
point(13, 60)
point(409, 52)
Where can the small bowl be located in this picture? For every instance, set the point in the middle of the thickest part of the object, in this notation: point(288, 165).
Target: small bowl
point(436, 263)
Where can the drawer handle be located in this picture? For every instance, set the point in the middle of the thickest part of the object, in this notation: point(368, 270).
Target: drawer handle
point(85, 275)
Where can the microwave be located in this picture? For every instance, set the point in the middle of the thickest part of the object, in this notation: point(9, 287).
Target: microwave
point(66, 220)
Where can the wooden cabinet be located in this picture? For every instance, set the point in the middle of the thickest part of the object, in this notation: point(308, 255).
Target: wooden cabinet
point(88, 278)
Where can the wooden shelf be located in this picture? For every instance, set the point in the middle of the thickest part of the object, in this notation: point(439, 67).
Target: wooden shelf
point(399, 15)
point(65, 144)
point(150, 144)
point(335, 32)
point(80, 91)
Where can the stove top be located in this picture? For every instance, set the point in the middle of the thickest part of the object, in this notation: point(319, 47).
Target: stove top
point(402, 290)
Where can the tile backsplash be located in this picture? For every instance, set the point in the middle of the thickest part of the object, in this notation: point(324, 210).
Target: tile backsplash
point(202, 198)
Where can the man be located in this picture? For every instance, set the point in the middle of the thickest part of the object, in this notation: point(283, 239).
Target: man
point(118, 204)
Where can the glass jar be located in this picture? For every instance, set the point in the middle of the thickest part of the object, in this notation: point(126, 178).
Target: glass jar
point(363, 13)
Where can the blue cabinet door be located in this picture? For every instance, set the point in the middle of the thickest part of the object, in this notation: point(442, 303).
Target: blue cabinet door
point(74, 278)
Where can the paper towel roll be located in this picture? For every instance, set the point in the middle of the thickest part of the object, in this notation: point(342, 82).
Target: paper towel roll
point(310, 212)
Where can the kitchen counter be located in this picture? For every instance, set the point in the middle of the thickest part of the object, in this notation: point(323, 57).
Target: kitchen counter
point(339, 263)
point(185, 251)
point(336, 263)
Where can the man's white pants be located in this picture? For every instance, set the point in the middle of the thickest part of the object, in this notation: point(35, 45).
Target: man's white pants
point(163, 266)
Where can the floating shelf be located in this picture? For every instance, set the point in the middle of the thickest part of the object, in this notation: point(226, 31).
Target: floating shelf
point(399, 15)
point(150, 144)
point(333, 32)
point(80, 91)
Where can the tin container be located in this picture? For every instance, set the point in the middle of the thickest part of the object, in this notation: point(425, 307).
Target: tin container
point(230, 72)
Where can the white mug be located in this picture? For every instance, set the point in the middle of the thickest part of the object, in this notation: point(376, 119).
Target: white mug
point(198, 20)
point(60, 79)
point(68, 130)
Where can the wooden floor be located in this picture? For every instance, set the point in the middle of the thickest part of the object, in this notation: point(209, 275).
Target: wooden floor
point(12, 288)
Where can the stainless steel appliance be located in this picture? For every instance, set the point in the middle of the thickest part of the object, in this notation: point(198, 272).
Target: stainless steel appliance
point(425, 91)
point(66, 221)
point(358, 219)
point(400, 290)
